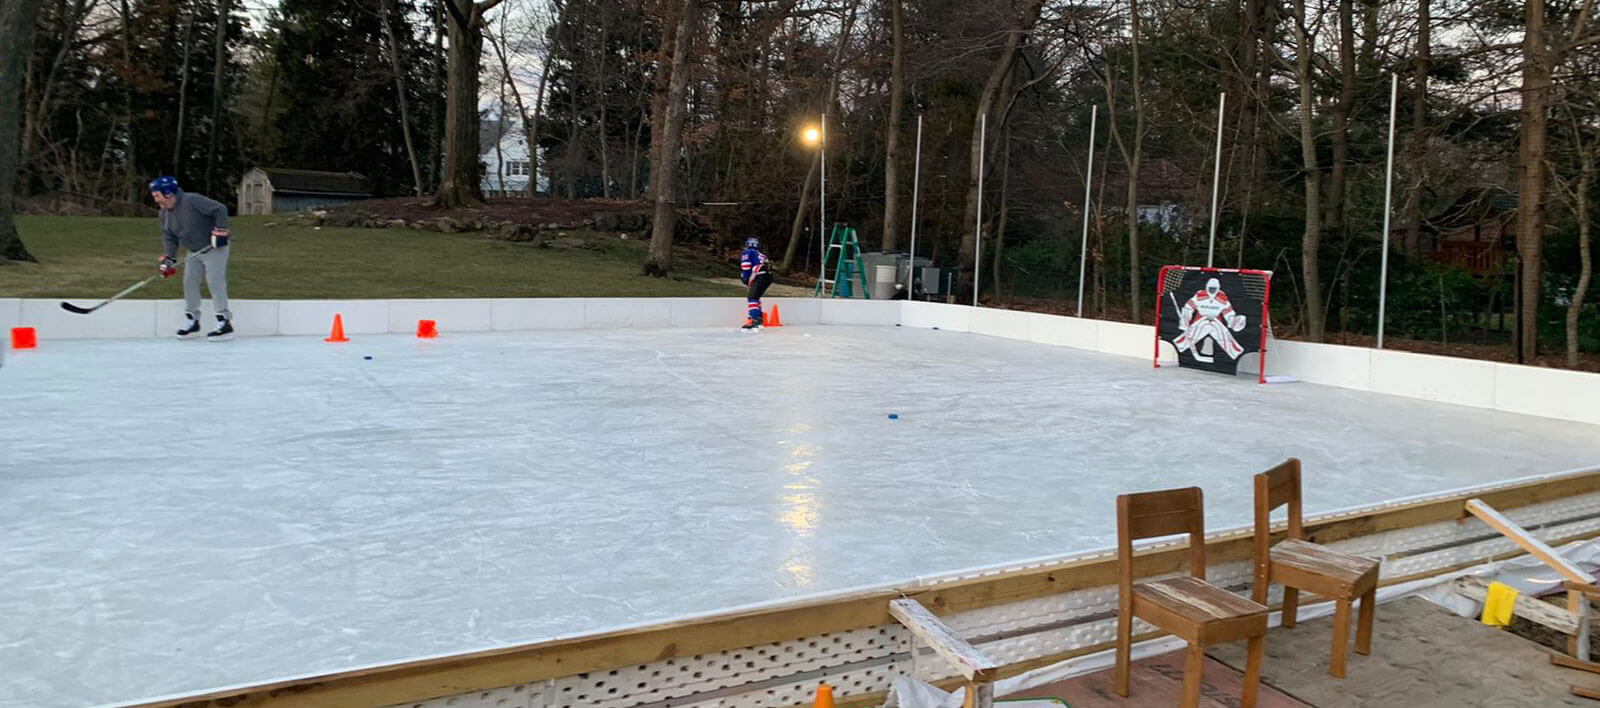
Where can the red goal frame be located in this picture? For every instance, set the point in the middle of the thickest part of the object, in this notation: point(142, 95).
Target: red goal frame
point(1266, 308)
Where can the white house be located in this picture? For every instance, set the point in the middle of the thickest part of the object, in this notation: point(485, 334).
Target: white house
point(505, 172)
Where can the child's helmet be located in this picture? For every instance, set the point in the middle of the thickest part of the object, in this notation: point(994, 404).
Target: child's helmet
point(752, 242)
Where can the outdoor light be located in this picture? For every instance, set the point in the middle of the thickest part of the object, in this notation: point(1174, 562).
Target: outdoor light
point(813, 136)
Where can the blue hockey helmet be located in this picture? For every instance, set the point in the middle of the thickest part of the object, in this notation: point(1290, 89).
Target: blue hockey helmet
point(752, 242)
point(164, 184)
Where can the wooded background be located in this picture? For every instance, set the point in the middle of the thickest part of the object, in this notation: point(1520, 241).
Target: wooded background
point(684, 102)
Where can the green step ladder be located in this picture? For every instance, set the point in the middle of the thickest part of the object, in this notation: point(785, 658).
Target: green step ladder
point(843, 258)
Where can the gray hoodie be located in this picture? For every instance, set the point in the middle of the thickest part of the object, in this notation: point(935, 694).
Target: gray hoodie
point(190, 222)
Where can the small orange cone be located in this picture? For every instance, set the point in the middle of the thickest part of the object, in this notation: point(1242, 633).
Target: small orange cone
point(427, 329)
point(338, 330)
point(774, 320)
point(24, 338)
point(824, 697)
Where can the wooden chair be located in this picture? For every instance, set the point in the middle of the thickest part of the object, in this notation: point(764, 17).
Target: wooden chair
point(1298, 565)
point(1189, 607)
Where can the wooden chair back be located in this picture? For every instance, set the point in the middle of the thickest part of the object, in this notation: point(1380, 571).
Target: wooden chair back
point(1160, 513)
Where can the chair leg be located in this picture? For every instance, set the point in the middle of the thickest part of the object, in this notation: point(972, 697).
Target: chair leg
point(1291, 605)
point(1341, 638)
point(1252, 671)
point(1194, 670)
point(1124, 648)
point(1369, 608)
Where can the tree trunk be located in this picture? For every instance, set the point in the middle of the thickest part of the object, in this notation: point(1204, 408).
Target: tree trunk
point(458, 183)
point(1416, 148)
point(18, 20)
point(1341, 118)
point(658, 104)
point(1311, 241)
point(129, 190)
point(797, 227)
point(660, 263)
point(1585, 258)
point(891, 138)
point(183, 94)
point(218, 64)
point(1005, 202)
point(384, 11)
point(1135, 308)
point(967, 266)
point(1536, 71)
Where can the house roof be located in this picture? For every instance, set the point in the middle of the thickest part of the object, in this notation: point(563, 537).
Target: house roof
point(1475, 206)
point(315, 182)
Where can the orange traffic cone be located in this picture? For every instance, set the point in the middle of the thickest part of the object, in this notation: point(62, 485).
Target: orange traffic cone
point(774, 320)
point(427, 329)
point(338, 330)
point(824, 697)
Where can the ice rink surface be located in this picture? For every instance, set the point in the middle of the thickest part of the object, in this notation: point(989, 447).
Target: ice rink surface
point(182, 515)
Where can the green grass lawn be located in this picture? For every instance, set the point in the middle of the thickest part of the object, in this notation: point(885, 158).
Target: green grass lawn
point(90, 258)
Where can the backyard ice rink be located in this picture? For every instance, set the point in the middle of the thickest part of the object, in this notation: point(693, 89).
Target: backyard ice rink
point(180, 516)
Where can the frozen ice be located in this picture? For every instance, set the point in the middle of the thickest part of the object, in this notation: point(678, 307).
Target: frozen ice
point(179, 516)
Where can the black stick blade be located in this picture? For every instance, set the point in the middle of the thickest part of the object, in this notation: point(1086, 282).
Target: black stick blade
point(69, 307)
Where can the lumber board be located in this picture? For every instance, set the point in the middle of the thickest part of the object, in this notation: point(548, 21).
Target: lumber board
point(965, 658)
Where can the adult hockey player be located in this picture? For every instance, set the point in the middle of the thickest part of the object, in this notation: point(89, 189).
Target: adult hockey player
point(754, 271)
point(195, 222)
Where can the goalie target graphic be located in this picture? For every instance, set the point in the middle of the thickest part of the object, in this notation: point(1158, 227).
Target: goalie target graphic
point(1211, 320)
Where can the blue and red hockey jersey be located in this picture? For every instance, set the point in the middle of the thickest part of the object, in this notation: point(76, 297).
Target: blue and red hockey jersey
point(751, 264)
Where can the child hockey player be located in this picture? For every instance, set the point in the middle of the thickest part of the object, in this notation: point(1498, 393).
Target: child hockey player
point(754, 271)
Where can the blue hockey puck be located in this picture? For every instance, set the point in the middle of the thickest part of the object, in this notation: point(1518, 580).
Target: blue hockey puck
point(368, 358)
point(935, 327)
point(894, 416)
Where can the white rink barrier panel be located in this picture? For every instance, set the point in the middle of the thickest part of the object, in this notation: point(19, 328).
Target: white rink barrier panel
point(1513, 388)
point(127, 319)
point(1025, 615)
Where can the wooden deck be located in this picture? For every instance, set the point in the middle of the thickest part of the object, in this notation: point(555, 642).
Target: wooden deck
point(1422, 657)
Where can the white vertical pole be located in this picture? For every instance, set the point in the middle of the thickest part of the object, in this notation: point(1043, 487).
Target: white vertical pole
point(1388, 195)
point(977, 254)
point(1088, 182)
point(1216, 179)
point(822, 212)
point(916, 188)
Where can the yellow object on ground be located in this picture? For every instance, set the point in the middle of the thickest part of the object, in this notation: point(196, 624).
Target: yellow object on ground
point(1497, 607)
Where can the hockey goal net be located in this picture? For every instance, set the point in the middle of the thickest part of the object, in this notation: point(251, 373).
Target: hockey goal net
point(1214, 319)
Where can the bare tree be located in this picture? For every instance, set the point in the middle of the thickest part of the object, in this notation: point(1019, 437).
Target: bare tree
point(660, 263)
point(459, 185)
point(1311, 241)
point(1416, 147)
point(385, 10)
point(1578, 196)
point(796, 228)
point(183, 94)
point(18, 20)
point(1015, 36)
point(219, 61)
point(891, 138)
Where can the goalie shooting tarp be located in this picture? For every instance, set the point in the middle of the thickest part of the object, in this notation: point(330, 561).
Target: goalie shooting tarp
point(1211, 320)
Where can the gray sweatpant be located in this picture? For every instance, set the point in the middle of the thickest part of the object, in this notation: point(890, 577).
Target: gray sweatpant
point(212, 267)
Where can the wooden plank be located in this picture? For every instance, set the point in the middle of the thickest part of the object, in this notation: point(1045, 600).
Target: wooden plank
point(1571, 663)
point(1535, 547)
point(1529, 608)
point(475, 671)
point(965, 658)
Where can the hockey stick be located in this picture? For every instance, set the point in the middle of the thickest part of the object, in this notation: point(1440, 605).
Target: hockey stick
point(69, 307)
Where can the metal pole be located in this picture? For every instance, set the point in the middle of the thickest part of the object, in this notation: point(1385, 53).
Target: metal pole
point(1216, 179)
point(916, 188)
point(1388, 195)
point(977, 254)
point(1088, 181)
point(822, 212)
